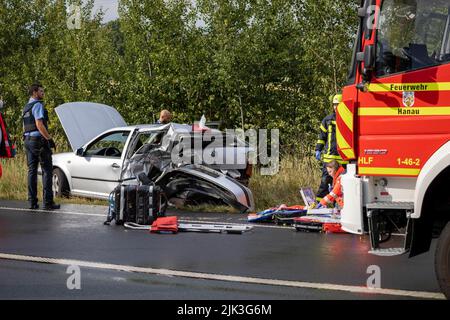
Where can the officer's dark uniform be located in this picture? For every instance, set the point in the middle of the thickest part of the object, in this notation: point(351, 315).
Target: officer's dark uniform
point(328, 146)
point(38, 151)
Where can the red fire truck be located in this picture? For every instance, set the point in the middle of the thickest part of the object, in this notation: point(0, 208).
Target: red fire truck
point(394, 127)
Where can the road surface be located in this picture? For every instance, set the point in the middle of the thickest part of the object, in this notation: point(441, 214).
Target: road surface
point(269, 263)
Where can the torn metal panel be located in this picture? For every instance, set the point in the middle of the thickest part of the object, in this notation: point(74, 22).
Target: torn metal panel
point(203, 183)
point(196, 183)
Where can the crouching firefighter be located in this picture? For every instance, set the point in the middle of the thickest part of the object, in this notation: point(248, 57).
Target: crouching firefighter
point(327, 146)
point(335, 170)
point(7, 149)
point(38, 146)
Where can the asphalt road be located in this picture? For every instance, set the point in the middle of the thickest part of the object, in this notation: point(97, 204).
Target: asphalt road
point(264, 264)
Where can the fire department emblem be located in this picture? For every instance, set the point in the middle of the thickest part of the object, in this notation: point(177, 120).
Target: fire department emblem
point(409, 98)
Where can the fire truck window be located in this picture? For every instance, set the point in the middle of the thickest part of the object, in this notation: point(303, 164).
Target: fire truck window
point(412, 34)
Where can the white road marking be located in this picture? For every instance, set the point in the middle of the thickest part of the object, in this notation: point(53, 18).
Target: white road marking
point(54, 212)
point(104, 217)
point(227, 278)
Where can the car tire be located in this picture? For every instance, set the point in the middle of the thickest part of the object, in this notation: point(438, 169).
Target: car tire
point(60, 185)
point(442, 261)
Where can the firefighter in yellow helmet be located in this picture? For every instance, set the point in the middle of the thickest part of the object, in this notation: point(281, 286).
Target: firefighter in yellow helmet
point(326, 148)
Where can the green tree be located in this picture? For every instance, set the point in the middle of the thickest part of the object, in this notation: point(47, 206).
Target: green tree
point(72, 64)
point(248, 63)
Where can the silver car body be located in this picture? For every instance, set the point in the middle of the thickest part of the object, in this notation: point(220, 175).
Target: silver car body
point(95, 167)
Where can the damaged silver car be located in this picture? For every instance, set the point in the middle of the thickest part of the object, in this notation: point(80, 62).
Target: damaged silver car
point(195, 165)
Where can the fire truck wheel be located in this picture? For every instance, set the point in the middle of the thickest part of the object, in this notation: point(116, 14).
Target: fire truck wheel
point(60, 185)
point(442, 261)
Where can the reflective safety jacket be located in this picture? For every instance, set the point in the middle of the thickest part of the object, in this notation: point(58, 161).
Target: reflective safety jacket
point(336, 195)
point(7, 149)
point(327, 140)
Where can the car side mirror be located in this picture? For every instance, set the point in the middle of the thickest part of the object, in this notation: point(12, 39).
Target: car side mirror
point(80, 152)
point(368, 57)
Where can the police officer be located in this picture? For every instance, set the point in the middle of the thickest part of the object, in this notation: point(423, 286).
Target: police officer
point(327, 146)
point(38, 145)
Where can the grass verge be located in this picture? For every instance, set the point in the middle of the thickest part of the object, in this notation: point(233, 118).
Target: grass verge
point(284, 187)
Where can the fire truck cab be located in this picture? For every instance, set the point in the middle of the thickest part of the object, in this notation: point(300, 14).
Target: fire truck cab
point(394, 127)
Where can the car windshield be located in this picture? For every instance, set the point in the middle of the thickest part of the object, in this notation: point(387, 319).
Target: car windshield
point(412, 34)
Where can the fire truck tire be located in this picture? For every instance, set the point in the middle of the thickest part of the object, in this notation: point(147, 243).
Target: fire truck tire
point(442, 261)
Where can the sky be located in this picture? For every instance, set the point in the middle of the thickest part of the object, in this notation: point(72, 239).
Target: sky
point(110, 8)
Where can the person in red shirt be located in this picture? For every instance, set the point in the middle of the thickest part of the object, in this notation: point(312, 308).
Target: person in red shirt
point(6, 149)
point(336, 195)
point(1, 138)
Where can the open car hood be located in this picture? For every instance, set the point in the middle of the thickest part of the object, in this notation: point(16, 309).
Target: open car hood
point(83, 121)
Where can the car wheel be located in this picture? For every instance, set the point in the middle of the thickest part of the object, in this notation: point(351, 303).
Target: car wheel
point(442, 261)
point(60, 185)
